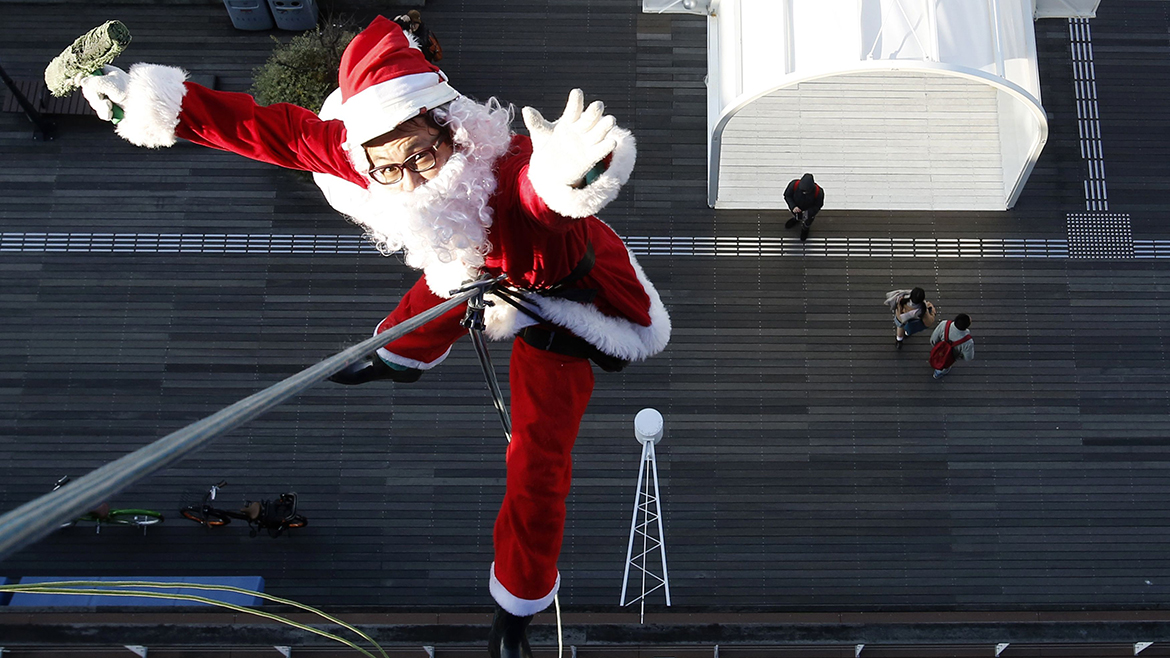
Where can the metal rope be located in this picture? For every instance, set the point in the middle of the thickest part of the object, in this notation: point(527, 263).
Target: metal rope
point(39, 518)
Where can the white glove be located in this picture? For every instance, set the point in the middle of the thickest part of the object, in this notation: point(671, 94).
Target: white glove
point(565, 150)
point(105, 91)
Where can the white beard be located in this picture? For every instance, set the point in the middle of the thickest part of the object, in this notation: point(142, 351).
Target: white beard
point(442, 233)
point(442, 226)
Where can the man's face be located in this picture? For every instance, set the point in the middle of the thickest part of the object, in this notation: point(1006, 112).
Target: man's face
point(407, 143)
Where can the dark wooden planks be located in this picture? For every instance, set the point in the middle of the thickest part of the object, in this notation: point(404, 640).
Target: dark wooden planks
point(808, 464)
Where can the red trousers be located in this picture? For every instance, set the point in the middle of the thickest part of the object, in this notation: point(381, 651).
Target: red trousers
point(549, 395)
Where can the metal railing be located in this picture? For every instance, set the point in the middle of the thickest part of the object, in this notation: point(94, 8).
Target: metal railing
point(37, 519)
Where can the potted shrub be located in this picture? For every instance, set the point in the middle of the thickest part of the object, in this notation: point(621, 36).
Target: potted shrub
point(304, 70)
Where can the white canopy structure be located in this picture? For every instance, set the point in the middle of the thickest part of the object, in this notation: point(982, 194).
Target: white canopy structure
point(890, 104)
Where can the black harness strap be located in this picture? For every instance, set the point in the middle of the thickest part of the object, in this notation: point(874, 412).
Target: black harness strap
point(517, 299)
point(562, 342)
point(582, 268)
point(547, 335)
point(561, 288)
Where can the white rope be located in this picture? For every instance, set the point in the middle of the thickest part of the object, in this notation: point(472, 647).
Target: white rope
point(560, 633)
point(112, 588)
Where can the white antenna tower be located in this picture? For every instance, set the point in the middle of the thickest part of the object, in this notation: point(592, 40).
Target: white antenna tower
point(648, 431)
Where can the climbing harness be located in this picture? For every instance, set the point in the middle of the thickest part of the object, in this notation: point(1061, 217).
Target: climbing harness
point(548, 336)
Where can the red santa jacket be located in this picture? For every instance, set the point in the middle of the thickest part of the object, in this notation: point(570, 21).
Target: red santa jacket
point(534, 246)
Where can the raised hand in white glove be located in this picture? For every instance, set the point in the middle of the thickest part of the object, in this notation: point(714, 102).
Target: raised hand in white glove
point(105, 91)
point(565, 150)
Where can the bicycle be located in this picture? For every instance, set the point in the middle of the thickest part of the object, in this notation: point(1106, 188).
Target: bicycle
point(273, 516)
point(103, 515)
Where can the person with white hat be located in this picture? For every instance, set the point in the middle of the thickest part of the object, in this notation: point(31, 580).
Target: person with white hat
point(441, 177)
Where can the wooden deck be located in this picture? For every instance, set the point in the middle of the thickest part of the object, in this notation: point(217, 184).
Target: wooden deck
point(808, 465)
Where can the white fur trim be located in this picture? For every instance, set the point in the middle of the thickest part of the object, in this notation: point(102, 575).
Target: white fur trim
point(503, 320)
point(378, 109)
point(614, 336)
point(154, 98)
point(390, 357)
point(570, 202)
point(516, 605)
point(443, 278)
point(330, 110)
point(345, 197)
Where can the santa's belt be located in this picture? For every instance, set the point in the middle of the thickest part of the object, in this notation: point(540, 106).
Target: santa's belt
point(551, 337)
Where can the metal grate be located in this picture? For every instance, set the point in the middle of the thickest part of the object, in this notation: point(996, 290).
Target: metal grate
point(1151, 248)
point(203, 243)
point(1099, 235)
point(848, 247)
point(730, 246)
point(1088, 116)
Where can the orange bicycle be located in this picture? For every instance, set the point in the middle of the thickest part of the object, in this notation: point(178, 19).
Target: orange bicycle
point(271, 515)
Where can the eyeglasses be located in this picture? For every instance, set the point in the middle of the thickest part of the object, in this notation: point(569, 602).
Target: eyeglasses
point(424, 160)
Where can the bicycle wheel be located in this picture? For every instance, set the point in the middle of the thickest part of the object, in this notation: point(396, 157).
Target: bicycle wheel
point(212, 519)
point(297, 521)
point(138, 517)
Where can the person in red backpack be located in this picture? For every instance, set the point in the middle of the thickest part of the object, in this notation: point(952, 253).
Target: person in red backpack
point(962, 346)
point(805, 199)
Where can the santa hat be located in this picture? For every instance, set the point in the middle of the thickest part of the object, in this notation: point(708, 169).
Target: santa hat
point(385, 80)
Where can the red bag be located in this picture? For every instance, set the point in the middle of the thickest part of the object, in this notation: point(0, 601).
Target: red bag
point(942, 355)
point(433, 47)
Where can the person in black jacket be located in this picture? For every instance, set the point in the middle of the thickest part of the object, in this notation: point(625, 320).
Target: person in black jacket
point(804, 198)
point(412, 23)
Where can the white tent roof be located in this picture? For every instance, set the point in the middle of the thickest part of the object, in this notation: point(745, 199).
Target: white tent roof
point(898, 104)
point(1066, 8)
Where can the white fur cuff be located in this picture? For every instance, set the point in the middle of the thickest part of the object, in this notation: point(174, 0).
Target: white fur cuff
point(516, 605)
point(570, 202)
point(154, 98)
point(390, 357)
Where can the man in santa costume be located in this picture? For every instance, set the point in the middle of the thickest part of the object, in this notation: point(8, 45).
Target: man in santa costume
point(425, 170)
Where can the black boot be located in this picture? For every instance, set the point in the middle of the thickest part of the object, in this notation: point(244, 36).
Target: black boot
point(373, 369)
point(508, 637)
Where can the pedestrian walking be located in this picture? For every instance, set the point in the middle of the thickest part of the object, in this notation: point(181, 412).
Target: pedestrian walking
point(912, 313)
point(805, 199)
point(412, 23)
point(951, 341)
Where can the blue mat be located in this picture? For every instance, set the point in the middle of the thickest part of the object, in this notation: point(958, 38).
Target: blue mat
point(254, 583)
